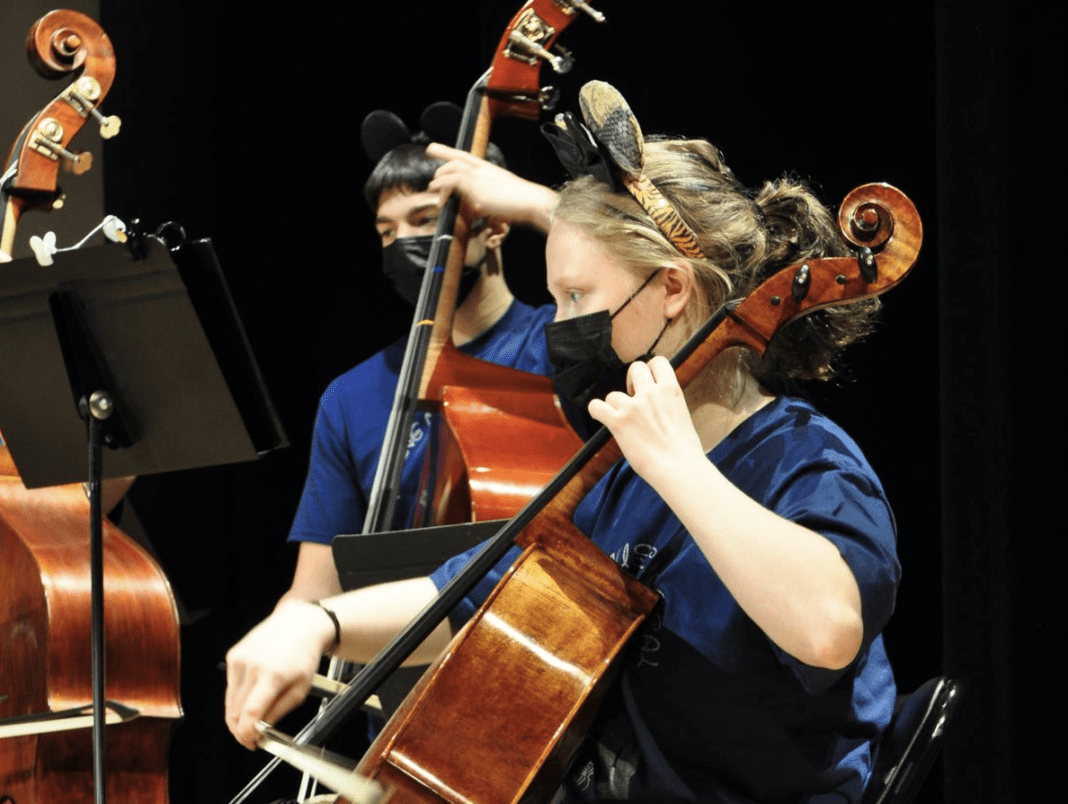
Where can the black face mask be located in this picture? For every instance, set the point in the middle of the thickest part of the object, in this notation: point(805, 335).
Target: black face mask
point(404, 263)
point(585, 366)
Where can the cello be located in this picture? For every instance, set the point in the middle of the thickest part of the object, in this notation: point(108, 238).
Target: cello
point(45, 605)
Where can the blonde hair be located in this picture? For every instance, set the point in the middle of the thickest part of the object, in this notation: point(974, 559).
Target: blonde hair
point(745, 238)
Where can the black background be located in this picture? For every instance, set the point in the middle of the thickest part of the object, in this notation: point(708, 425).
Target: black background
point(242, 124)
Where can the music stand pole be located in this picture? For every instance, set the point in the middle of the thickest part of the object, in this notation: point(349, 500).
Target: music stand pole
point(98, 407)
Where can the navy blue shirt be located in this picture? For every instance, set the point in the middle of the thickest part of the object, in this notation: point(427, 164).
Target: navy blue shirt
point(706, 707)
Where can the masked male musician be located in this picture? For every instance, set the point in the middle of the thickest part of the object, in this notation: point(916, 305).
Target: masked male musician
point(489, 323)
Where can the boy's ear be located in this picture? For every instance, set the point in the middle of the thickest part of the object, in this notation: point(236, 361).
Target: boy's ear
point(498, 232)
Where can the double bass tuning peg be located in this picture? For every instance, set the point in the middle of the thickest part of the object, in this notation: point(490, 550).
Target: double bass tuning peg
point(82, 95)
point(47, 140)
point(584, 7)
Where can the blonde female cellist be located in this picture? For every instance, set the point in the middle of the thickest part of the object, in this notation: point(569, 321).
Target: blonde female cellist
point(766, 532)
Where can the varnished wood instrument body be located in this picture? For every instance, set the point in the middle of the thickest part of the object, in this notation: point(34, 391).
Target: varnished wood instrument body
point(45, 658)
point(482, 419)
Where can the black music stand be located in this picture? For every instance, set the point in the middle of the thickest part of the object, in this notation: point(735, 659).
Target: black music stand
point(139, 349)
point(372, 558)
point(166, 330)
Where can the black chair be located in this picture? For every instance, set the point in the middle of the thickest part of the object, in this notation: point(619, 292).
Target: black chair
point(912, 741)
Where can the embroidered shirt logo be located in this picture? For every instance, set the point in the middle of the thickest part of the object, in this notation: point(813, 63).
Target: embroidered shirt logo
point(635, 559)
point(417, 433)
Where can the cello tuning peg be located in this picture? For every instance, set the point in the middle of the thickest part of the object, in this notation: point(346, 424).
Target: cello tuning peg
point(549, 98)
point(561, 63)
point(43, 248)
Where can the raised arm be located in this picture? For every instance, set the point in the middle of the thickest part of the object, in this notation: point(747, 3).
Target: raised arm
point(790, 580)
point(488, 190)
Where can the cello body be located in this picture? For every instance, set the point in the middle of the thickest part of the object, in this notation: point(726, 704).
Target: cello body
point(45, 659)
point(541, 647)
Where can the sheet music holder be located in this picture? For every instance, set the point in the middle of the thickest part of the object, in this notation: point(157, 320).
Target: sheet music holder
point(372, 558)
point(365, 559)
point(169, 335)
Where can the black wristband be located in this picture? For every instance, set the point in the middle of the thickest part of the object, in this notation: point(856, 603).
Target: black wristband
point(337, 628)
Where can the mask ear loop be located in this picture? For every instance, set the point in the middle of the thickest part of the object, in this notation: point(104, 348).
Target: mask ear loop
point(630, 298)
point(648, 352)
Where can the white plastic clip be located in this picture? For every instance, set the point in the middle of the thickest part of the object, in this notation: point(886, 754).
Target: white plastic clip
point(114, 229)
point(45, 247)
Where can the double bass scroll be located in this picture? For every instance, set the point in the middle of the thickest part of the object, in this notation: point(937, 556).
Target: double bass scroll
point(61, 43)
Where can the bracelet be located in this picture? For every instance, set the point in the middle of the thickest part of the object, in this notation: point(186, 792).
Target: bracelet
point(337, 628)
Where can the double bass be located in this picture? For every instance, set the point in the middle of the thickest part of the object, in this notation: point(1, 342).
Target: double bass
point(45, 602)
point(472, 473)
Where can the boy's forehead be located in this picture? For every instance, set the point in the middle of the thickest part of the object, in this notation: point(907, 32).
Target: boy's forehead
point(396, 203)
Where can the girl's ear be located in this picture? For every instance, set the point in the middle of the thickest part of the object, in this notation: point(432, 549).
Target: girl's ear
point(679, 286)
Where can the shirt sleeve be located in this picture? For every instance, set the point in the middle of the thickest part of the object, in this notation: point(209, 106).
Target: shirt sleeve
point(332, 501)
point(848, 508)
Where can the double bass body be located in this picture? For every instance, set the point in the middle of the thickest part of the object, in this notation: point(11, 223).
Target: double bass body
point(46, 657)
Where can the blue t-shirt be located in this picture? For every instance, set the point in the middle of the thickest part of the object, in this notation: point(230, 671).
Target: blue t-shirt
point(706, 708)
point(351, 425)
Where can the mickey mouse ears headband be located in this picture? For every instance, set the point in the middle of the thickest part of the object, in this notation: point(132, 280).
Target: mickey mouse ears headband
point(382, 130)
point(611, 148)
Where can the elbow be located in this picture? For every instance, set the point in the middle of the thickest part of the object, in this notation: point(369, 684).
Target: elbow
point(836, 643)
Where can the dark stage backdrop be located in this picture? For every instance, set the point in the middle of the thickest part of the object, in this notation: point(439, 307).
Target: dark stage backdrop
point(242, 124)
